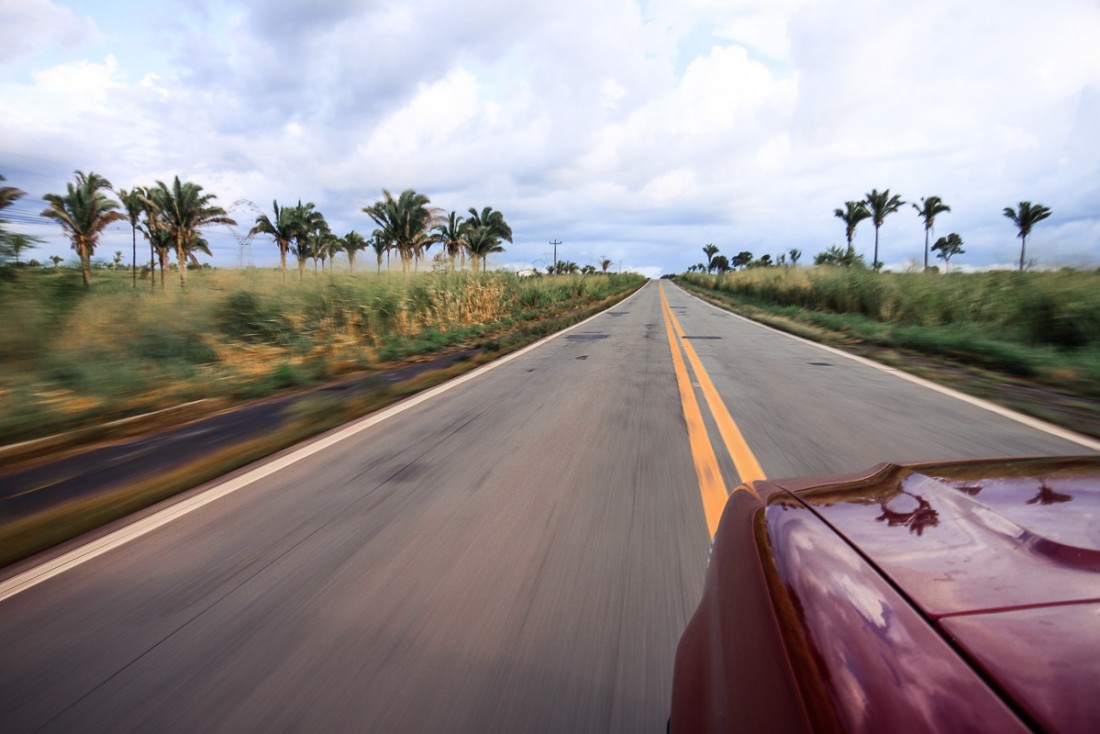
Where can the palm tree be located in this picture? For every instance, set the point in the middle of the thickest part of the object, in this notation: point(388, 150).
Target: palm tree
point(8, 196)
point(405, 222)
point(183, 209)
point(302, 220)
point(133, 201)
point(451, 233)
point(331, 246)
point(352, 243)
point(311, 233)
point(380, 245)
point(947, 247)
point(283, 229)
point(710, 251)
point(1027, 217)
point(927, 211)
point(881, 205)
point(852, 214)
point(481, 242)
point(605, 264)
point(161, 242)
point(494, 220)
point(84, 211)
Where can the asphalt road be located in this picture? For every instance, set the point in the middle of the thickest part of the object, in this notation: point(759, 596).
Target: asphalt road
point(518, 554)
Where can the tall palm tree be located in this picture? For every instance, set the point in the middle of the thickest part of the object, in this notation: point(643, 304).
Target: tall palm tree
point(84, 211)
point(881, 205)
point(352, 243)
point(283, 229)
point(311, 227)
point(8, 196)
point(852, 214)
point(160, 242)
point(1027, 217)
point(380, 245)
point(12, 243)
point(481, 242)
point(451, 233)
point(183, 209)
point(494, 220)
point(406, 222)
point(927, 211)
point(328, 248)
point(710, 250)
point(302, 220)
point(133, 201)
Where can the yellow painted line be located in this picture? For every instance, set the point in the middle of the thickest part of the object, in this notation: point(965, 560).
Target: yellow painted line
point(748, 468)
point(711, 487)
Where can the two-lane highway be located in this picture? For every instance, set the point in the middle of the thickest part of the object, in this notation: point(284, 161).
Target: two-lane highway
point(519, 553)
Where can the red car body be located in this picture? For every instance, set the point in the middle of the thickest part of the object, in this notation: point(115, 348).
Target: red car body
point(936, 597)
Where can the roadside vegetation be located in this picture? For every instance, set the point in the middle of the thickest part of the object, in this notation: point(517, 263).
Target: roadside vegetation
point(72, 356)
point(83, 345)
point(1041, 326)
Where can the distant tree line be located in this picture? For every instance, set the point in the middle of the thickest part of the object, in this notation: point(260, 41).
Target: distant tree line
point(876, 206)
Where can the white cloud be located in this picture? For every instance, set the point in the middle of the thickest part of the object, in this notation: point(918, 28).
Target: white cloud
point(29, 26)
point(635, 131)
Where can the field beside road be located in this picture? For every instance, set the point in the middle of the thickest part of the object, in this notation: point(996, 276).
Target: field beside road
point(72, 357)
point(1030, 341)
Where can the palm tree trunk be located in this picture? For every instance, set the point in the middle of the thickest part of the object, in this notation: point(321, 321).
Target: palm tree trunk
point(182, 262)
point(927, 230)
point(152, 268)
point(86, 266)
point(1023, 246)
point(133, 262)
point(874, 264)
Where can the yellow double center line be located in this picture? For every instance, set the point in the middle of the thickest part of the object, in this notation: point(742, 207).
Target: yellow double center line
point(711, 486)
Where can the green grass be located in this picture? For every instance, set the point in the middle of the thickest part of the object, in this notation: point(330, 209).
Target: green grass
point(72, 357)
point(1040, 326)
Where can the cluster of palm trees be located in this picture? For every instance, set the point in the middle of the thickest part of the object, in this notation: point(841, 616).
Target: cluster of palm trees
point(407, 226)
point(568, 267)
point(743, 259)
point(877, 205)
point(171, 218)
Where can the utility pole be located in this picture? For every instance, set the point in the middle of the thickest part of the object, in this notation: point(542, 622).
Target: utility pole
point(555, 243)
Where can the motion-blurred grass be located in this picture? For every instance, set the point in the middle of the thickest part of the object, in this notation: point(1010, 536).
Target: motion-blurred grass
point(1040, 325)
point(71, 356)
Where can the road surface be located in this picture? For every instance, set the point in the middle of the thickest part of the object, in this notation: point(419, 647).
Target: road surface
point(519, 553)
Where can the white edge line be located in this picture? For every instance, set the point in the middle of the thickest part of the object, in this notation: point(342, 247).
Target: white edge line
point(1000, 410)
point(67, 561)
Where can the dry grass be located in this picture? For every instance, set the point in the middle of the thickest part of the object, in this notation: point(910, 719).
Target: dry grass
point(70, 357)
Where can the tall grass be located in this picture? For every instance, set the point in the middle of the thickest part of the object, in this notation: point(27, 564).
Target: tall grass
point(1058, 309)
point(69, 355)
point(1036, 325)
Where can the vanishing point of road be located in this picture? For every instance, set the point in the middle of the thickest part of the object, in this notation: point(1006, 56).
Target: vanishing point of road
point(517, 553)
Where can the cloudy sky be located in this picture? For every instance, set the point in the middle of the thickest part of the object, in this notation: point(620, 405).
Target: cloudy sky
point(638, 130)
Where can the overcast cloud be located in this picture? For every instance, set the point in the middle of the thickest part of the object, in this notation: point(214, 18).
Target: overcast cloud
point(639, 131)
